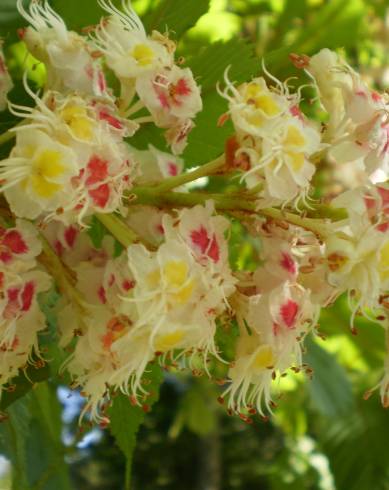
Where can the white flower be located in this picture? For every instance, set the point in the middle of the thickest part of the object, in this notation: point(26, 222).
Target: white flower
point(128, 51)
point(205, 236)
point(156, 165)
point(254, 107)
point(357, 253)
point(65, 54)
point(88, 136)
point(37, 176)
point(281, 160)
point(331, 74)
point(20, 283)
point(277, 323)
point(173, 99)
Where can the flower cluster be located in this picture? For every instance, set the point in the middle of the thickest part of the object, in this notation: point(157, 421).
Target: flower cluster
point(275, 142)
point(274, 313)
point(157, 282)
point(145, 67)
point(20, 283)
point(145, 304)
point(69, 160)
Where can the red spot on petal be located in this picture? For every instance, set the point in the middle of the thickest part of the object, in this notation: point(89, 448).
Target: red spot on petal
point(160, 229)
point(276, 329)
point(127, 285)
point(288, 263)
point(101, 294)
point(101, 82)
point(182, 88)
point(296, 112)
point(384, 194)
point(100, 195)
point(383, 227)
point(289, 312)
point(111, 120)
point(97, 170)
point(206, 245)
point(5, 256)
point(172, 169)
point(27, 295)
point(108, 339)
point(163, 99)
point(15, 343)
point(13, 303)
point(14, 242)
point(70, 235)
point(59, 248)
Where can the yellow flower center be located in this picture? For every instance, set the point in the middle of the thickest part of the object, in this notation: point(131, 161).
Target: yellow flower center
point(262, 99)
point(47, 165)
point(296, 159)
point(384, 262)
point(169, 341)
point(264, 358)
point(294, 137)
point(175, 274)
point(143, 54)
point(76, 118)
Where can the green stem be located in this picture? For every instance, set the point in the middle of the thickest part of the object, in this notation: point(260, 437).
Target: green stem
point(118, 228)
point(310, 224)
point(223, 202)
point(7, 136)
point(147, 195)
point(10, 134)
point(206, 169)
point(62, 276)
point(128, 473)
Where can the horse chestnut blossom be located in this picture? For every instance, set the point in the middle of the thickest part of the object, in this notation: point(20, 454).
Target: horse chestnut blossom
point(274, 314)
point(145, 67)
point(358, 121)
point(227, 280)
point(67, 56)
point(20, 282)
point(274, 139)
point(128, 50)
point(69, 160)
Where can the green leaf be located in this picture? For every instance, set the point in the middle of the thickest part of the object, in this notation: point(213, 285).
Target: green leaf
point(10, 20)
point(47, 469)
point(96, 232)
point(207, 140)
point(370, 338)
point(175, 15)
point(356, 447)
point(125, 419)
point(330, 387)
point(24, 383)
point(199, 408)
point(15, 431)
point(78, 14)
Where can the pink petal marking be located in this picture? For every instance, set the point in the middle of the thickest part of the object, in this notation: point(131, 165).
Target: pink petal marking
point(207, 246)
point(289, 312)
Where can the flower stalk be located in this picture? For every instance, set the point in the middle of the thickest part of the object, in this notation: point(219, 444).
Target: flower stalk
point(203, 171)
point(118, 228)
